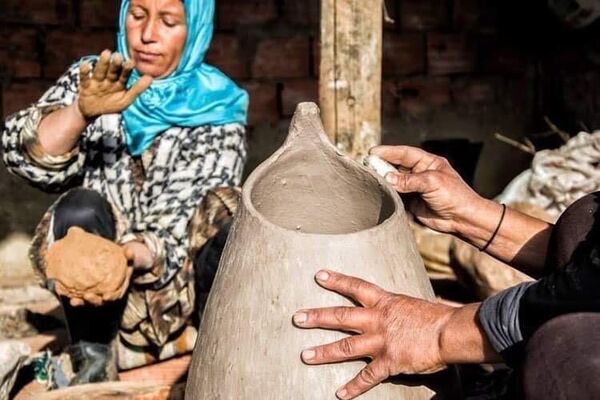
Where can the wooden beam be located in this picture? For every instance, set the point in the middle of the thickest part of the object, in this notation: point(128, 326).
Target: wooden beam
point(350, 73)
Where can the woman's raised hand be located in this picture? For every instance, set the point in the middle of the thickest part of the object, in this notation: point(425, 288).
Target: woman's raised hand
point(445, 201)
point(103, 90)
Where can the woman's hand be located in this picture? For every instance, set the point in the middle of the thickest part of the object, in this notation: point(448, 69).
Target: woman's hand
point(445, 202)
point(400, 334)
point(138, 255)
point(103, 90)
point(99, 300)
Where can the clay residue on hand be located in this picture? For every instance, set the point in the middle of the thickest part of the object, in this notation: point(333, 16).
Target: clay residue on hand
point(84, 265)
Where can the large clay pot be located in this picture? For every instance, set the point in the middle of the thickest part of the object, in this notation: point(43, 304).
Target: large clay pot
point(307, 207)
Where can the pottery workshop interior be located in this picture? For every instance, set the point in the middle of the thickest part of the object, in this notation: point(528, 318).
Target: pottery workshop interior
point(299, 199)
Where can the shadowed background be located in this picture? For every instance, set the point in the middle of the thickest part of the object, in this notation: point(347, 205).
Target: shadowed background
point(453, 69)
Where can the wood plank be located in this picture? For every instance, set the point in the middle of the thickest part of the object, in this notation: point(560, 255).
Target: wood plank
point(26, 295)
point(165, 373)
point(50, 308)
point(350, 73)
point(31, 391)
point(114, 391)
point(53, 340)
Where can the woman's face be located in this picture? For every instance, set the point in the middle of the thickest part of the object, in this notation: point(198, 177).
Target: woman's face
point(156, 35)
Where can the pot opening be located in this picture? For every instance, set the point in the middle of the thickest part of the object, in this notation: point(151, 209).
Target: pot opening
point(312, 192)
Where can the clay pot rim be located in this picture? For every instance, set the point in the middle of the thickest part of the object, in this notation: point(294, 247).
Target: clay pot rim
point(302, 109)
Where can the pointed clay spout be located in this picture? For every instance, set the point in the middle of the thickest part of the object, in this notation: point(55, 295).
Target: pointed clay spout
point(309, 186)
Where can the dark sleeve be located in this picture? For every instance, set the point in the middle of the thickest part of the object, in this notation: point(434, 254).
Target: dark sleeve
point(511, 317)
point(574, 288)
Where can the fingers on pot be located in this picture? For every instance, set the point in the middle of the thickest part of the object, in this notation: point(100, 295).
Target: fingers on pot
point(349, 348)
point(367, 294)
point(350, 319)
point(369, 377)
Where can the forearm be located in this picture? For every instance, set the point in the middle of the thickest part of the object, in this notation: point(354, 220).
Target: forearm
point(463, 341)
point(521, 240)
point(59, 131)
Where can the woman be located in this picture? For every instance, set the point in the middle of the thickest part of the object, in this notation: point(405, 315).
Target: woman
point(138, 140)
point(546, 329)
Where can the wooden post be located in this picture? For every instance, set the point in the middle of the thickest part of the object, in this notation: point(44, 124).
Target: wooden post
point(350, 73)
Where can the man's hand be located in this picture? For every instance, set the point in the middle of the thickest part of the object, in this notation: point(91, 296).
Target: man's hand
point(400, 334)
point(445, 201)
point(103, 90)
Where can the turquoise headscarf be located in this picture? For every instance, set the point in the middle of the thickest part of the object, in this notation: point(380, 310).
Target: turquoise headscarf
point(194, 94)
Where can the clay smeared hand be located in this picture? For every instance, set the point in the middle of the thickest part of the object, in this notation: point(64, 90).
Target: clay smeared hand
point(400, 334)
point(87, 268)
point(445, 201)
point(103, 90)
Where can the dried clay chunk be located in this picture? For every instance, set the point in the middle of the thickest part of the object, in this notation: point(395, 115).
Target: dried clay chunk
point(85, 264)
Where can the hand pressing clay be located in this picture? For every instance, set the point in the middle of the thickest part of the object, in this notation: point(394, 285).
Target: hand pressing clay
point(87, 268)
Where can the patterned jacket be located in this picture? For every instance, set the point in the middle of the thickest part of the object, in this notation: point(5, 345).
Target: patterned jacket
point(153, 198)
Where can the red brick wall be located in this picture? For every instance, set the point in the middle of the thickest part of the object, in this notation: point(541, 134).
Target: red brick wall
point(452, 68)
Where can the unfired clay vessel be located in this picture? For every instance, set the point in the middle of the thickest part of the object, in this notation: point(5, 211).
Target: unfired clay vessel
point(307, 207)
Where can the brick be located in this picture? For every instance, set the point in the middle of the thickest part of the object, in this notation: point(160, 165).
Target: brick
point(466, 14)
point(569, 59)
point(423, 15)
point(19, 57)
point(474, 91)
point(50, 12)
point(263, 102)
point(517, 95)
point(99, 13)
point(230, 14)
point(286, 57)
point(503, 58)
point(304, 13)
point(421, 95)
point(489, 15)
point(298, 91)
point(18, 96)
point(449, 54)
point(65, 47)
point(225, 54)
point(403, 54)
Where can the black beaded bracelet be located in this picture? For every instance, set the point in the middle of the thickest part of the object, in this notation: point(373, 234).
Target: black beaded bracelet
point(484, 248)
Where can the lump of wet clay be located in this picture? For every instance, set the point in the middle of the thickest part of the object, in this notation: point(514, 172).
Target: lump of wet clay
point(87, 267)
